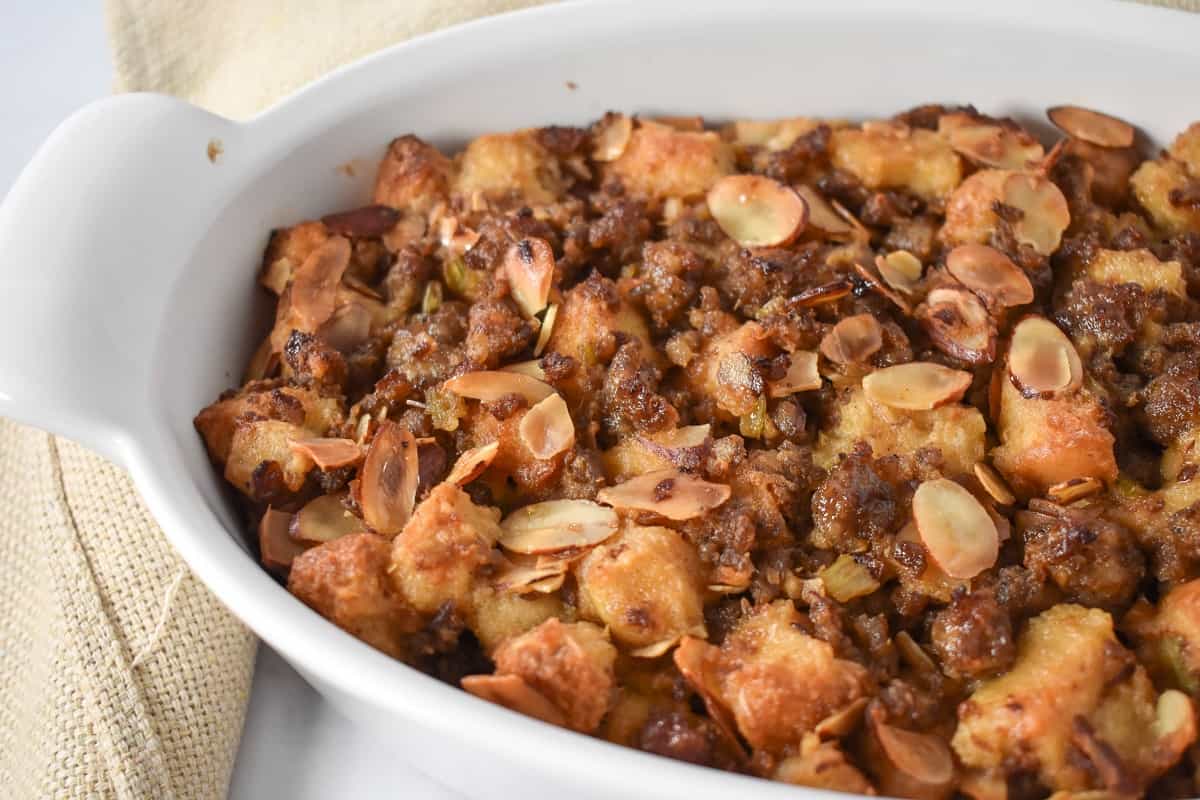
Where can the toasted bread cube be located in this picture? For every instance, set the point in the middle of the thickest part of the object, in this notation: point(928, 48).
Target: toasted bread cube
point(256, 445)
point(1070, 691)
point(591, 323)
point(1168, 636)
point(915, 160)
point(1186, 148)
point(646, 585)
point(772, 134)
point(969, 210)
point(958, 431)
point(287, 250)
point(629, 458)
point(504, 166)
point(822, 765)
point(346, 582)
point(1153, 183)
point(661, 162)
point(301, 407)
point(1140, 267)
point(778, 681)
point(725, 370)
point(571, 665)
point(496, 616)
point(1048, 441)
point(413, 176)
point(437, 556)
point(513, 457)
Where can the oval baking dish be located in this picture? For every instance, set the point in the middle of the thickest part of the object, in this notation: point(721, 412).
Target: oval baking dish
point(132, 239)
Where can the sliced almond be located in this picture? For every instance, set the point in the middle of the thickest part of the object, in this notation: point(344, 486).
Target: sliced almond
point(955, 528)
point(1042, 360)
point(1091, 126)
point(1074, 489)
point(324, 519)
point(328, 453)
point(472, 463)
point(668, 493)
point(727, 588)
point(314, 287)
point(801, 375)
point(688, 124)
point(691, 658)
point(756, 211)
point(556, 525)
point(923, 758)
point(366, 222)
point(994, 145)
point(348, 328)
point(1044, 211)
point(524, 574)
point(491, 386)
point(512, 692)
point(825, 293)
point(547, 428)
point(278, 274)
point(263, 363)
point(853, 340)
point(388, 479)
point(916, 386)
point(529, 267)
point(549, 585)
point(913, 654)
point(840, 723)
point(656, 649)
point(610, 136)
point(821, 215)
point(900, 269)
point(275, 546)
point(990, 274)
point(1003, 526)
point(548, 320)
point(531, 368)
point(993, 484)
point(876, 282)
point(958, 325)
point(1174, 724)
point(685, 447)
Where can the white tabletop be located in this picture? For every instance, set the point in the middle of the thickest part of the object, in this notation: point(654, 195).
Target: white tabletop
point(54, 59)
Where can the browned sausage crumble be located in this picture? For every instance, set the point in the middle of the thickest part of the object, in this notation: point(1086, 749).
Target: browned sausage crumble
point(851, 456)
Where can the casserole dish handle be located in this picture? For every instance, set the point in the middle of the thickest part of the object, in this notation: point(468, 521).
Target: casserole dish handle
point(92, 237)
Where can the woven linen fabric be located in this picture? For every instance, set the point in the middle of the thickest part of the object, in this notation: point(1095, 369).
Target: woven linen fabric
point(121, 676)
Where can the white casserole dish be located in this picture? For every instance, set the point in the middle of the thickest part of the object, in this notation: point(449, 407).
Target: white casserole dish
point(129, 259)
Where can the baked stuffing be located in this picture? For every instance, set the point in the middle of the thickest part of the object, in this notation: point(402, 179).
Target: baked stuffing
point(855, 456)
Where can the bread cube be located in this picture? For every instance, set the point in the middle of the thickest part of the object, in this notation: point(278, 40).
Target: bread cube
point(645, 585)
point(438, 556)
point(958, 431)
point(1076, 709)
point(346, 582)
point(661, 162)
point(915, 160)
point(570, 664)
point(1048, 441)
point(509, 166)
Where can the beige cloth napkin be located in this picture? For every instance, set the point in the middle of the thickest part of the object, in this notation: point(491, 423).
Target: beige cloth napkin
point(120, 675)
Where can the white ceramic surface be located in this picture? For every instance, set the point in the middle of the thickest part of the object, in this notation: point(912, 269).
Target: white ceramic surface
point(129, 258)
